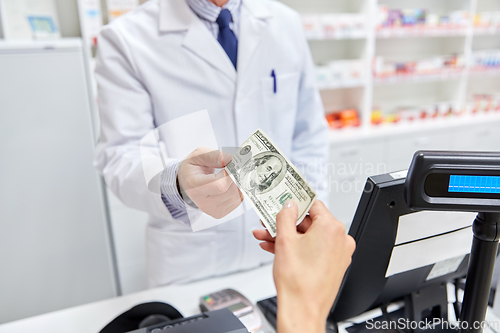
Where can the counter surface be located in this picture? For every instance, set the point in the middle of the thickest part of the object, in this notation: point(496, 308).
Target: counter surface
point(254, 284)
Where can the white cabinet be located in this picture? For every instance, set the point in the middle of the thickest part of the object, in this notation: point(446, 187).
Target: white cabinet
point(484, 137)
point(350, 165)
point(54, 237)
point(400, 148)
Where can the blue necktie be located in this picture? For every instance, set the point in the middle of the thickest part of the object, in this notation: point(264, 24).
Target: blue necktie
point(227, 38)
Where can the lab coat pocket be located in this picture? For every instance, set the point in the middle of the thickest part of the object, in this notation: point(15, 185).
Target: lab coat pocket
point(280, 99)
point(180, 256)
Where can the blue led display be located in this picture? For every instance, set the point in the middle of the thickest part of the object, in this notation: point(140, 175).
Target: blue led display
point(474, 184)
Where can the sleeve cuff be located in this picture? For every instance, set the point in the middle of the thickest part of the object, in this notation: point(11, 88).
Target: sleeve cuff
point(169, 193)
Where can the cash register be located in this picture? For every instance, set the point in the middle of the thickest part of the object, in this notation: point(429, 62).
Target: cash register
point(436, 181)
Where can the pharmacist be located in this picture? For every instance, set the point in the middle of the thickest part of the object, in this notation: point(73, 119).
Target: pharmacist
point(247, 62)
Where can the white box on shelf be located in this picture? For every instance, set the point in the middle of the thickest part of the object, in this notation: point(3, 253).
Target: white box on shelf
point(313, 27)
point(322, 76)
point(341, 74)
point(334, 26)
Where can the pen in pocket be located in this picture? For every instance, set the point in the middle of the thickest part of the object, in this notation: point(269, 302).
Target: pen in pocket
point(273, 75)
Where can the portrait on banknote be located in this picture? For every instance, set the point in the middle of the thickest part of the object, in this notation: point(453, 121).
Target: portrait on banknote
point(263, 172)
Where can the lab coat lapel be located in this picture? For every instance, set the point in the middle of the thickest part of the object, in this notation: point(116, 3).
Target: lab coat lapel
point(253, 25)
point(175, 15)
point(199, 40)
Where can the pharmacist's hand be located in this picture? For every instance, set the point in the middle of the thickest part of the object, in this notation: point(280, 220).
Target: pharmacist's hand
point(308, 267)
point(214, 194)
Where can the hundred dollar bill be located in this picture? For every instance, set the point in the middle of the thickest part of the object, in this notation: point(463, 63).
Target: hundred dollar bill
point(269, 179)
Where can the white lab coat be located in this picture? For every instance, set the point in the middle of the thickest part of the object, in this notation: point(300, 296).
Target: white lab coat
point(159, 63)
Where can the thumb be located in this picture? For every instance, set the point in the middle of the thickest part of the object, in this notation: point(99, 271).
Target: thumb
point(286, 220)
point(210, 158)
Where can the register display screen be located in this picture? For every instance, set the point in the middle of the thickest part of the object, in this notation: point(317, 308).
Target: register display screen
point(474, 184)
point(451, 185)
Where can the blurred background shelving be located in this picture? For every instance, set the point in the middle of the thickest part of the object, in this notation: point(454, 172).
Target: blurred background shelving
point(422, 54)
point(363, 48)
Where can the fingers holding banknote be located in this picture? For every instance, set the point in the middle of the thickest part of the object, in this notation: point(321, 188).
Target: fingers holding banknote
point(264, 235)
point(308, 267)
point(214, 193)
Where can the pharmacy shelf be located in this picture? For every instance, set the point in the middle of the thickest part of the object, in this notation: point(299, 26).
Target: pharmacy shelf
point(456, 39)
point(416, 31)
point(410, 78)
point(384, 130)
point(375, 42)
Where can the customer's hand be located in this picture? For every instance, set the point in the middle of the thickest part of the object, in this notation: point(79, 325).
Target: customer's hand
point(309, 265)
point(214, 194)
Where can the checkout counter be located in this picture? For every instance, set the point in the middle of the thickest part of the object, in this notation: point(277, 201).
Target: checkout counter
point(389, 230)
point(255, 284)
